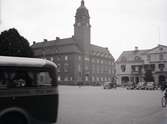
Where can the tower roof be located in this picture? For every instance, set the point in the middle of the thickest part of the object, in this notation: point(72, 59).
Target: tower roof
point(82, 10)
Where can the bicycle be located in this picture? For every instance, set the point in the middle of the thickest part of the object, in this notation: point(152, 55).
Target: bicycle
point(164, 99)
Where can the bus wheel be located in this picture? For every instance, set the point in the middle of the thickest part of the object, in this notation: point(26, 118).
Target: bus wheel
point(13, 117)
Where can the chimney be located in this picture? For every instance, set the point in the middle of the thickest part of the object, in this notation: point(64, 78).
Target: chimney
point(136, 48)
point(45, 40)
point(57, 38)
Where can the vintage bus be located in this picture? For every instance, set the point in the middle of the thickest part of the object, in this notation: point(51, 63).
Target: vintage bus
point(28, 91)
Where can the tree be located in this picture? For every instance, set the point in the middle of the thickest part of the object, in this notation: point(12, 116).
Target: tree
point(13, 44)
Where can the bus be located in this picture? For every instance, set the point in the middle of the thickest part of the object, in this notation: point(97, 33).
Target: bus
point(28, 91)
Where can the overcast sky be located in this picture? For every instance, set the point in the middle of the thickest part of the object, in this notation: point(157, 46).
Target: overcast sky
point(117, 24)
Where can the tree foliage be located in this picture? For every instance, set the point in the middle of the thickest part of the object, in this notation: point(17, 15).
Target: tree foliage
point(13, 44)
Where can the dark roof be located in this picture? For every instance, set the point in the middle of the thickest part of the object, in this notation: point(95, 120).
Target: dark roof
point(68, 45)
point(82, 10)
point(100, 51)
point(58, 41)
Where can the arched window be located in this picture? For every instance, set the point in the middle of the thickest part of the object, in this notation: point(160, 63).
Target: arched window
point(123, 68)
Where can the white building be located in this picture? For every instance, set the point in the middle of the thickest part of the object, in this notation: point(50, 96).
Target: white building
point(132, 65)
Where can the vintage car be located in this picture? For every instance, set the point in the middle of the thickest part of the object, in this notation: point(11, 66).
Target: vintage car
point(149, 86)
point(109, 85)
point(140, 86)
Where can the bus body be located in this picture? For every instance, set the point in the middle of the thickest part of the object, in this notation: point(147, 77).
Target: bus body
point(28, 91)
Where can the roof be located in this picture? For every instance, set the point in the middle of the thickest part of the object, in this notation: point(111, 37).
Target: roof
point(82, 10)
point(58, 41)
point(68, 45)
point(100, 51)
point(24, 62)
point(133, 53)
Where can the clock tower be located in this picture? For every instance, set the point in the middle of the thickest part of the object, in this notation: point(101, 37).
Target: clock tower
point(82, 28)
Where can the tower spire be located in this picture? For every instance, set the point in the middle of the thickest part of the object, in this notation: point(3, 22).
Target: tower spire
point(82, 3)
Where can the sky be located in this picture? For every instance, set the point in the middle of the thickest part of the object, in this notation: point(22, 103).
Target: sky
point(119, 25)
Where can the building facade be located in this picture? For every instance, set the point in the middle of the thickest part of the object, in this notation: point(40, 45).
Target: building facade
point(132, 66)
point(77, 59)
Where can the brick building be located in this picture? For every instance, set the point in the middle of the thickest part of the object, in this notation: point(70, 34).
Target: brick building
point(77, 59)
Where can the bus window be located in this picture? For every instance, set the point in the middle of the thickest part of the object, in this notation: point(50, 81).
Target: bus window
point(2, 80)
point(26, 78)
point(44, 79)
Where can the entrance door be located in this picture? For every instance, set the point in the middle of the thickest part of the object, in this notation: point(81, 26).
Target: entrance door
point(161, 79)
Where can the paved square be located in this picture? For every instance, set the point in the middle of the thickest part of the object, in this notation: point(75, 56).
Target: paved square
point(94, 105)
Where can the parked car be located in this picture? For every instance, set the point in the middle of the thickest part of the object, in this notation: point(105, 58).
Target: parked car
point(109, 85)
point(149, 86)
point(130, 87)
point(140, 86)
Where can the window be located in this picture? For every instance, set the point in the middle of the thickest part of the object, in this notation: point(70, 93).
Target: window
point(66, 58)
point(148, 57)
point(97, 60)
point(16, 78)
point(97, 78)
point(133, 68)
point(79, 58)
point(71, 78)
point(66, 78)
point(58, 58)
point(109, 70)
point(86, 58)
point(97, 69)
point(93, 68)
point(160, 48)
point(66, 67)
point(101, 61)
point(137, 58)
point(79, 68)
point(51, 59)
point(123, 68)
point(152, 67)
point(86, 67)
point(101, 78)
point(58, 78)
point(161, 57)
point(101, 69)
point(93, 60)
point(105, 79)
point(58, 67)
point(161, 67)
point(93, 78)
point(86, 77)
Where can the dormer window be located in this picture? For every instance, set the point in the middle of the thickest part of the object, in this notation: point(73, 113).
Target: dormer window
point(160, 48)
point(137, 58)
